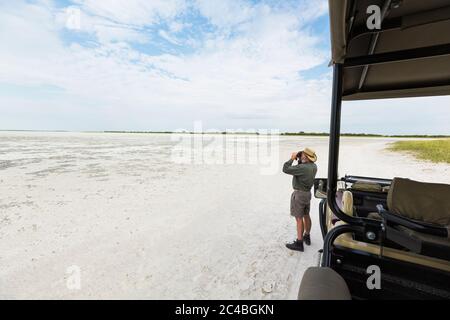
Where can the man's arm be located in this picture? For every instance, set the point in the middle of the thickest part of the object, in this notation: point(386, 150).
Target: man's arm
point(288, 168)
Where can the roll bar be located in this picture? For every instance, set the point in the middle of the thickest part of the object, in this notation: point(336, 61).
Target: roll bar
point(333, 155)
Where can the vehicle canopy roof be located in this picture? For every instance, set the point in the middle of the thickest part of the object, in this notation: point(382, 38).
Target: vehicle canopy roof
point(409, 56)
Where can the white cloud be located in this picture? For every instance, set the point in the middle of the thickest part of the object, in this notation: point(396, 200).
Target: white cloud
point(164, 34)
point(225, 14)
point(133, 12)
point(176, 27)
point(114, 20)
point(246, 72)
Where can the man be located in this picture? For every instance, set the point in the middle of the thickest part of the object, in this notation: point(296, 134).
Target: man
point(302, 181)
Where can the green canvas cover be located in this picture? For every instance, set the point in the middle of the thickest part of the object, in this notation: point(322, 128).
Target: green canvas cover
point(406, 25)
point(427, 202)
point(367, 186)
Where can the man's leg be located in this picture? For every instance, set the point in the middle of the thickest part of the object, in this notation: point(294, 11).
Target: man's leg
point(297, 244)
point(300, 228)
point(307, 222)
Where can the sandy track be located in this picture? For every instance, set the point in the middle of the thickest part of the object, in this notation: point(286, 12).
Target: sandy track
point(140, 226)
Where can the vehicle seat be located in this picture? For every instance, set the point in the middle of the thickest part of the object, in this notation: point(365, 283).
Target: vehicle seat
point(418, 217)
point(322, 283)
point(344, 199)
point(347, 203)
point(427, 202)
point(348, 208)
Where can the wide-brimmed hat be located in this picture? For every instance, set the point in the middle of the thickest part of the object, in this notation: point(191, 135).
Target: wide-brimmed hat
point(311, 154)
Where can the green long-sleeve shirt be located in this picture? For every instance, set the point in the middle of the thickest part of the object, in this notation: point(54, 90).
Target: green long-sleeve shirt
point(303, 174)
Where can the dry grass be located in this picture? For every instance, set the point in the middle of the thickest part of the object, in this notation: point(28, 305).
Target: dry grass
point(433, 150)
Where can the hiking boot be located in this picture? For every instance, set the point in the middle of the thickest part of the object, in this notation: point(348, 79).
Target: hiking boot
point(307, 239)
point(297, 245)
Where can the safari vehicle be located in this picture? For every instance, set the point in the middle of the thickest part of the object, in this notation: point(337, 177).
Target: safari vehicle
point(397, 227)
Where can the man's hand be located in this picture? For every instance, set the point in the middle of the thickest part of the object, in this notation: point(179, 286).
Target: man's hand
point(294, 156)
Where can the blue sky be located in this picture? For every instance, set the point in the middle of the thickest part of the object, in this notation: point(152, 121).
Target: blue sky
point(163, 64)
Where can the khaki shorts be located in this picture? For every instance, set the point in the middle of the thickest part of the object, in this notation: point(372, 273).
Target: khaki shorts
point(300, 203)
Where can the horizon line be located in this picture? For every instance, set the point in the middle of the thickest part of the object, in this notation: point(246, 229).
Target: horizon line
point(289, 133)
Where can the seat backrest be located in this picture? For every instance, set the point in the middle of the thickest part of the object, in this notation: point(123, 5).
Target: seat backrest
point(427, 202)
point(347, 203)
point(321, 283)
